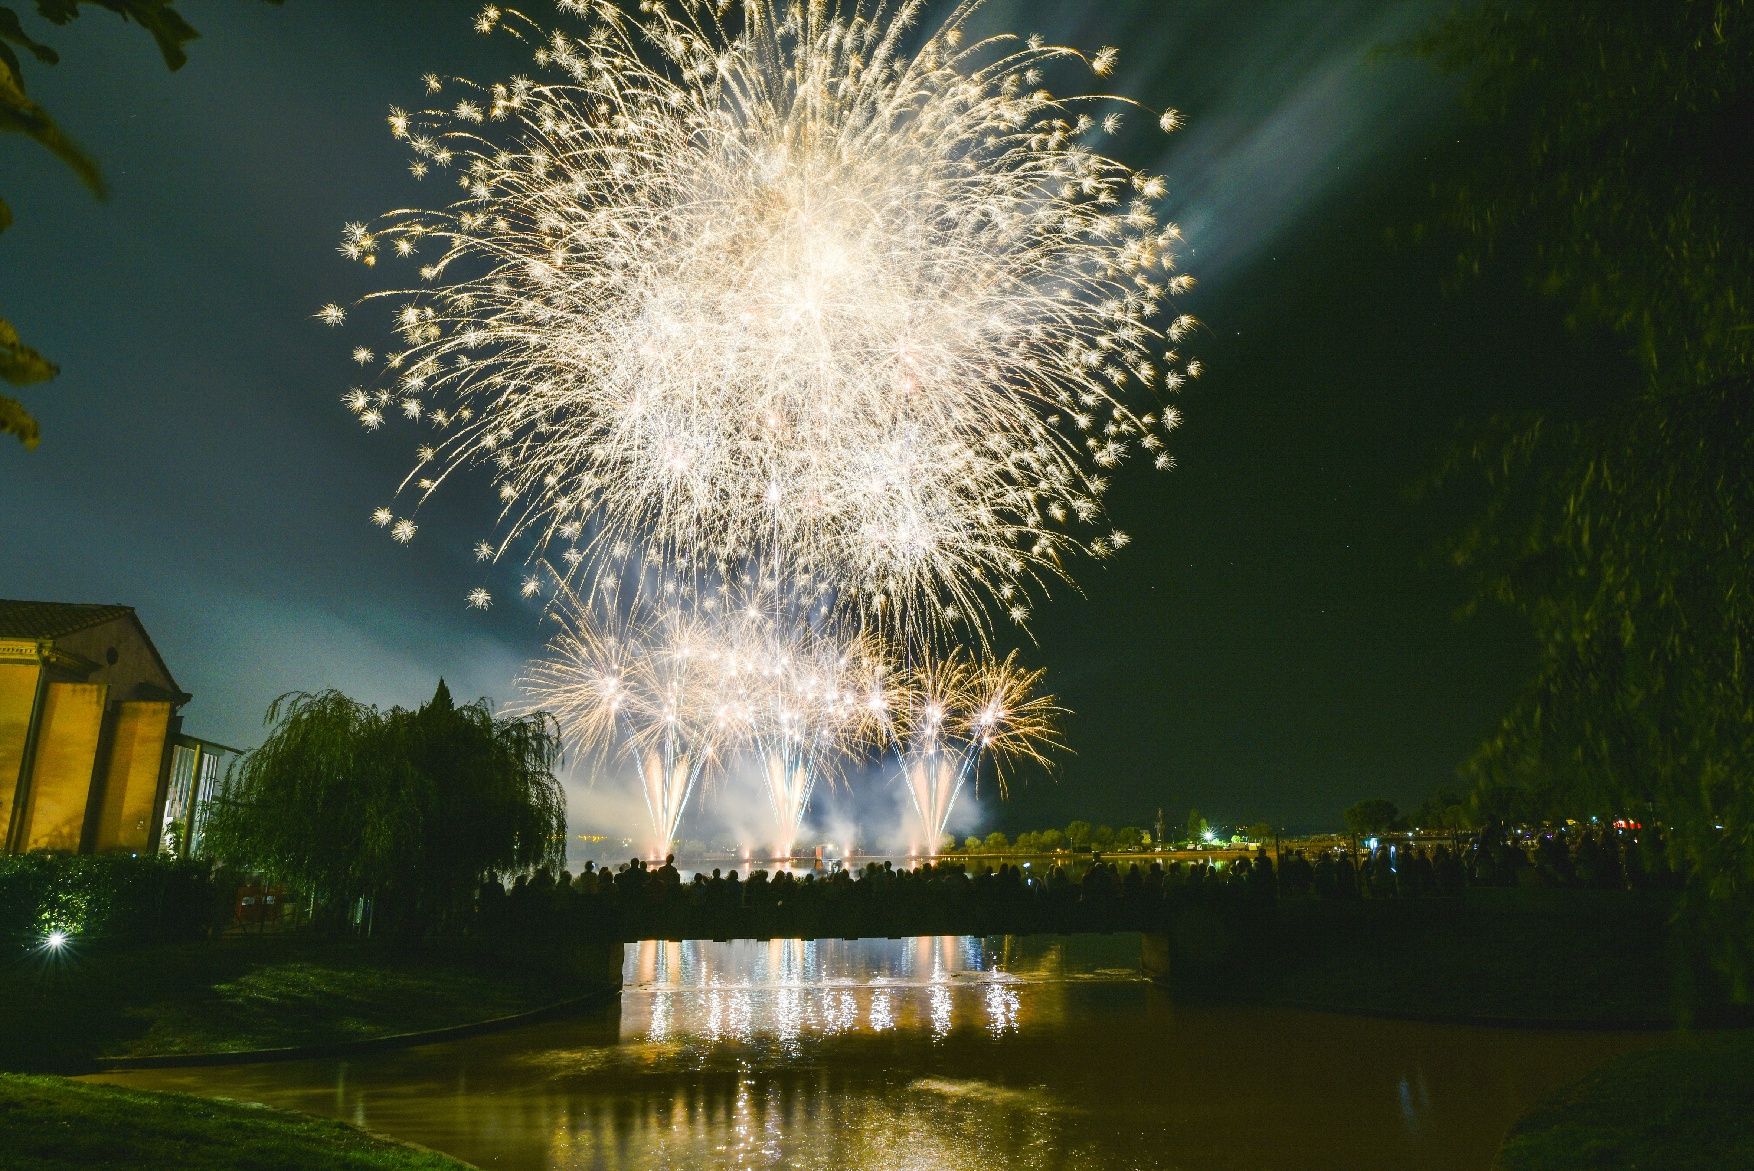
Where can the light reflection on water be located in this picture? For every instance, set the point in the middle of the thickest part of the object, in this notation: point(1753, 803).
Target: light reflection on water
point(931, 1053)
point(788, 989)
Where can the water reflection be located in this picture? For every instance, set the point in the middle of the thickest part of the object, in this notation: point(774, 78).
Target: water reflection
point(787, 989)
point(937, 1053)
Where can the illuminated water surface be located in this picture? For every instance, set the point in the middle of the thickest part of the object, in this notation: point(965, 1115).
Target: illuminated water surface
point(936, 1053)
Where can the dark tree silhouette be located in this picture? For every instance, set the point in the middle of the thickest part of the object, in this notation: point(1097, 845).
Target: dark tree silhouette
point(1623, 537)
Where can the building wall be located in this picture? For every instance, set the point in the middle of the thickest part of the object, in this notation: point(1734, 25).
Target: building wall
point(130, 792)
point(101, 752)
point(66, 753)
point(18, 692)
point(135, 663)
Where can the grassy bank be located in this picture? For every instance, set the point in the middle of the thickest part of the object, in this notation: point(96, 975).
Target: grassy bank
point(1572, 957)
point(50, 1124)
point(1683, 1107)
point(60, 1011)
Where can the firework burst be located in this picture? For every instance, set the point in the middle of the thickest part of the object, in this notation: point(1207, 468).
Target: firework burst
point(694, 687)
point(761, 282)
point(645, 694)
point(704, 685)
point(954, 714)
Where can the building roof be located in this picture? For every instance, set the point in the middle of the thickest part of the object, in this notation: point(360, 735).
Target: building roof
point(189, 741)
point(53, 619)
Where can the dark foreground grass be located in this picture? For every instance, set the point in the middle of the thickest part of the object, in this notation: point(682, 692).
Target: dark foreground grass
point(50, 1124)
point(1686, 1106)
point(59, 1012)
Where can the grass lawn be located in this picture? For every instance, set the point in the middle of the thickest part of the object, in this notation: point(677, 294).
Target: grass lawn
point(50, 1124)
point(1683, 1107)
point(57, 1012)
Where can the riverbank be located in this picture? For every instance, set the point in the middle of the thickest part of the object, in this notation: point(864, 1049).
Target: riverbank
point(63, 1011)
point(1553, 957)
point(51, 1124)
point(1550, 957)
point(1688, 1106)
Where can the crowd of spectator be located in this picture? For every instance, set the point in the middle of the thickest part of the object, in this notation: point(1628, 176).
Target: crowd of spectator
point(638, 900)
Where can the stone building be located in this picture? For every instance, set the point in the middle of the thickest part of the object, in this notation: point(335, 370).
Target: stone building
point(89, 730)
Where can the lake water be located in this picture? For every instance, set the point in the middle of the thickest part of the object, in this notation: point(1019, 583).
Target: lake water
point(932, 1053)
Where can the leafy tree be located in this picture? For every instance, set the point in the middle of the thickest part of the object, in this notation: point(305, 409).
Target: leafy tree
point(971, 845)
point(412, 809)
point(1102, 838)
point(996, 843)
point(1260, 831)
point(1128, 837)
point(1444, 809)
point(1504, 803)
point(1623, 190)
point(1052, 840)
point(1078, 835)
point(1028, 842)
point(1372, 817)
point(1198, 827)
point(947, 844)
point(1623, 537)
point(21, 365)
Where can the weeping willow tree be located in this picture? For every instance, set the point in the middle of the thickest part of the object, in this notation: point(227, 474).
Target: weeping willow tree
point(410, 809)
point(1625, 537)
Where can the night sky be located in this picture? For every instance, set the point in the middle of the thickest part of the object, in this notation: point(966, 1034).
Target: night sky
point(1279, 641)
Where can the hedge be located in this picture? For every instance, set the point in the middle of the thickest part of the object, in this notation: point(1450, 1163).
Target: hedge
point(97, 897)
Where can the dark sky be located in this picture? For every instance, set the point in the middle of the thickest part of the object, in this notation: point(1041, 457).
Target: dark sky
point(1276, 644)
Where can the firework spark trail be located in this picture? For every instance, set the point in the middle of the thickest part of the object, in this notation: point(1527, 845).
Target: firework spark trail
point(702, 685)
point(699, 685)
point(956, 712)
point(757, 290)
point(646, 692)
point(814, 704)
point(777, 291)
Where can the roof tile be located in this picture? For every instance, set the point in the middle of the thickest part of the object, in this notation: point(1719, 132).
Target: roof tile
point(20, 619)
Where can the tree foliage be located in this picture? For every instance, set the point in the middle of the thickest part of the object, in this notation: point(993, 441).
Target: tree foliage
point(1444, 809)
point(1370, 817)
point(1624, 189)
point(412, 809)
point(21, 365)
point(1623, 537)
